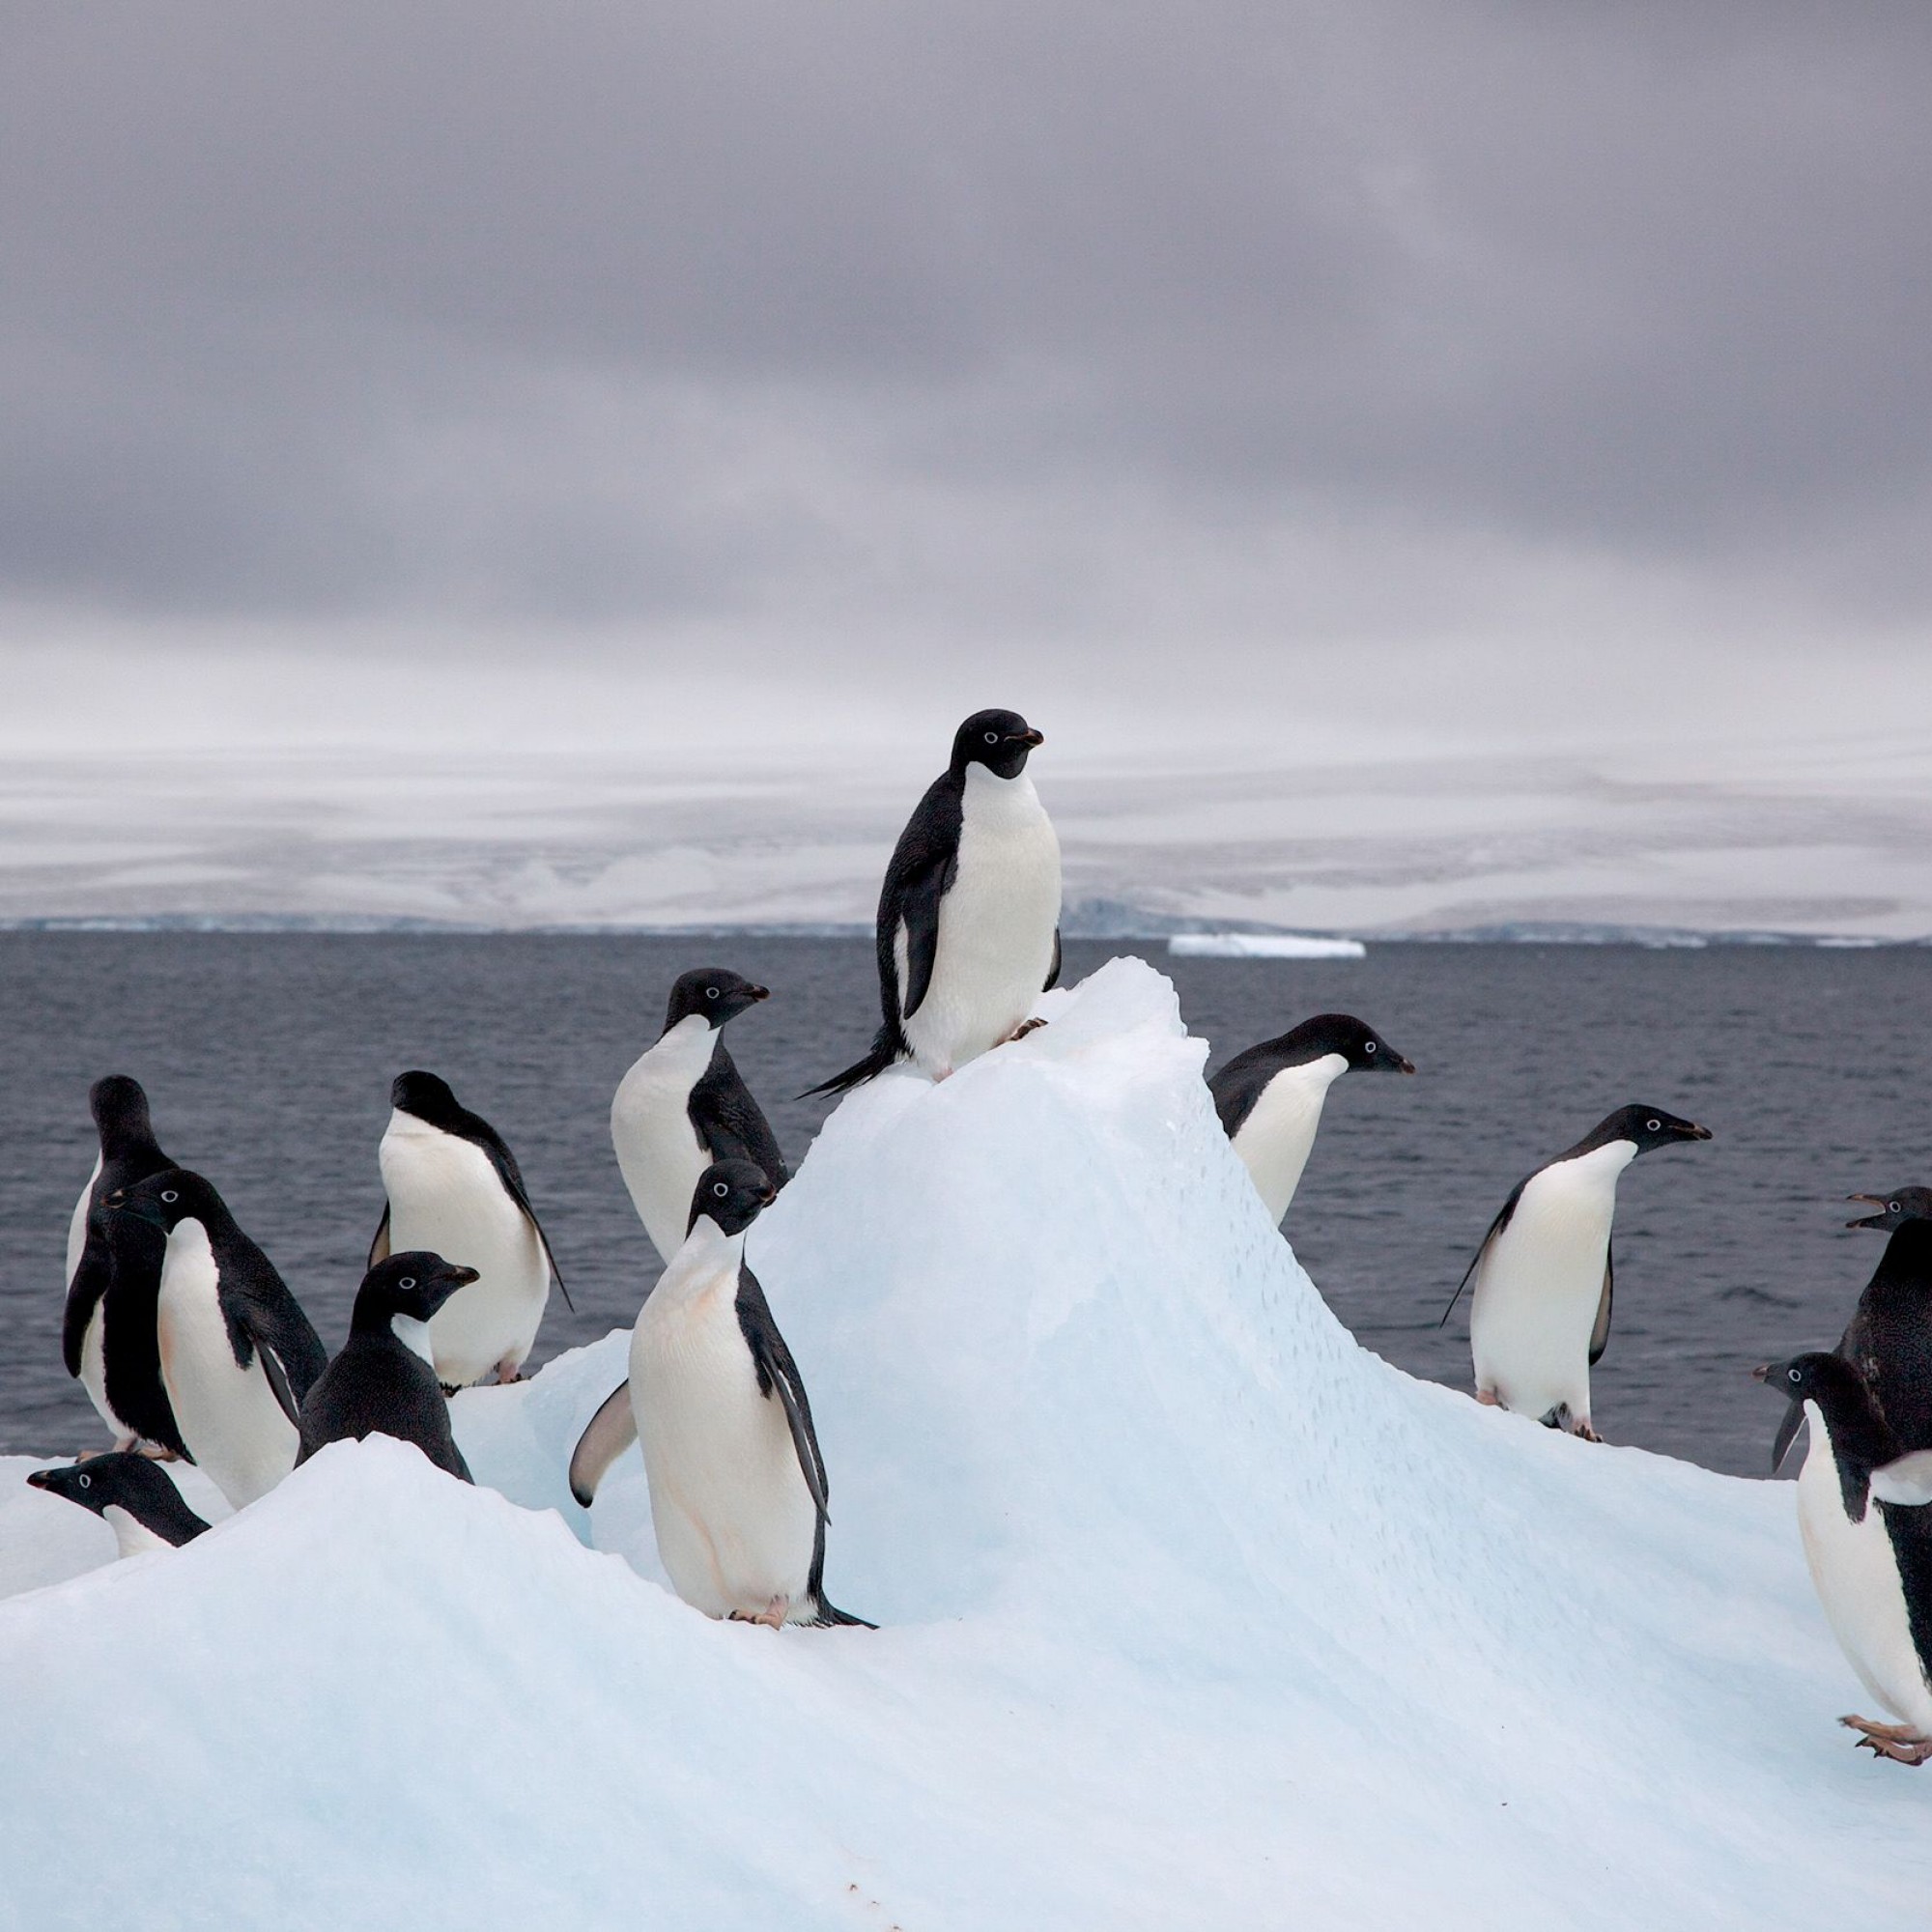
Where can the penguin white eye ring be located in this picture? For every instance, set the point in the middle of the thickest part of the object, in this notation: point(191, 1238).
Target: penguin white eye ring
point(1652, 1126)
point(992, 737)
point(408, 1281)
point(1368, 1046)
point(86, 1482)
point(721, 1188)
point(711, 992)
point(1792, 1375)
point(1892, 1207)
point(170, 1194)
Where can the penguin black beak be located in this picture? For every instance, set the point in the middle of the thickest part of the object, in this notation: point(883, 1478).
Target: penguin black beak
point(1032, 739)
point(770, 1194)
point(1698, 1134)
point(1402, 1064)
point(39, 1479)
point(149, 1211)
point(460, 1277)
point(1877, 1201)
point(1764, 1372)
point(757, 992)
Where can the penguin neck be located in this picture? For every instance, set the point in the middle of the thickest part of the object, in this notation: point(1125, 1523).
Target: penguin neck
point(686, 1046)
point(708, 1252)
point(132, 1536)
point(1275, 1139)
point(413, 1335)
point(1597, 1170)
point(986, 796)
point(1907, 1260)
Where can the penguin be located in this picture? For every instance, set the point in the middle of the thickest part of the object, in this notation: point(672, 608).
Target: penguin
point(454, 1189)
point(114, 1275)
point(684, 1105)
point(1269, 1099)
point(1867, 1543)
point(238, 1354)
point(969, 915)
point(737, 1483)
point(132, 1495)
point(1543, 1274)
point(1888, 1338)
point(383, 1381)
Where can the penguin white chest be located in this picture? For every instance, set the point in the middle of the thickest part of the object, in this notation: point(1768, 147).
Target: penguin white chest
point(228, 1415)
point(657, 1148)
point(1856, 1576)
point(76, 1227)
point(445, 1195)
point(1275, 1139)
point(735, 1523)
point(996, 926)
point(1540, 1283)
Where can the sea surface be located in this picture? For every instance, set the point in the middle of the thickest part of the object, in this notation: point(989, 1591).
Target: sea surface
point(267, 1058)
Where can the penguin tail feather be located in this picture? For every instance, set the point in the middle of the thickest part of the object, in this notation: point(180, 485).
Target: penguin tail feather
point(831, 1617)
point(885, 1051)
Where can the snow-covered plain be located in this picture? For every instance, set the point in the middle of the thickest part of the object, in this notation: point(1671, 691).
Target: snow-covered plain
point(1195, 1613)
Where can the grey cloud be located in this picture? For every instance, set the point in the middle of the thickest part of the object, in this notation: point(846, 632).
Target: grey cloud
point(610, 311)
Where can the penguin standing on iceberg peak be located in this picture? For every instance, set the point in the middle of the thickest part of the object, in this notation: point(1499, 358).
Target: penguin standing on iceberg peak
point(1868, 1545)
point(737, 1483)
point(132, 1495)
point(1544, 1273)
point(455, 1189)
point(1889, 1339)
point(383, 1381)
point(684, 1105)
point(969, 915)
point(238, 1354)
point(1269, 1097)
point(114, 1278)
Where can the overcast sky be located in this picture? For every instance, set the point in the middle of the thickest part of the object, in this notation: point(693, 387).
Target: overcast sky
point(1339, 381)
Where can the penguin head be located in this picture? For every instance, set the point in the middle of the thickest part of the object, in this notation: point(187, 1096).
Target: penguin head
point(715, 993)
point(733, 1193)
point(415, 1283)
point(1647, 1127)
point(1358, 1043)
point(999, 740)
point(120, 1110)
point(426, 1095)
point(118, 1477)
point(1834, 1383)
point(166, 1199)
point(1894, 1208)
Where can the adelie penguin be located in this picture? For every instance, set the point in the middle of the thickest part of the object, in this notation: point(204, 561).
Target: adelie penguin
point(132, 1495)
point(737, 1484)
point(684, 1105)
point(1545, 1274)
point(1868, 1545)
point(238, 1354)
point(969, 916)
point(1889, 1339)
point(384, 1382)
point(114, 1278)
point(1269, 1099)
point(455, 1189)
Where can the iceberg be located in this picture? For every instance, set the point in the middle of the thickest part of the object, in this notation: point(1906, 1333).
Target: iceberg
point(1263, 946)
point(1195, 1614)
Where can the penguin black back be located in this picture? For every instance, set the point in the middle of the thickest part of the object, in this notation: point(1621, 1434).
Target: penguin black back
point(723, 1115)
point(383, 1381)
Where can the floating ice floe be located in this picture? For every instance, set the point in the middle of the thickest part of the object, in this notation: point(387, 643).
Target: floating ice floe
point(1195, 1614)
point(1263, 946)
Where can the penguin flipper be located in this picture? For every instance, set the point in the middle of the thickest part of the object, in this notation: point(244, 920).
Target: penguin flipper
point(1052, 981)
point(1504, 1214)
point(1599, 1330)
point(379, 1248)
point(91, 1277)
point(278, 1381)
point(776, 1371)
point(1787, 1435)
point(606, 1437)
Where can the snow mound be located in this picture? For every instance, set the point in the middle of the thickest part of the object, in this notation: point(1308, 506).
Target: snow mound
point(1196, 1613)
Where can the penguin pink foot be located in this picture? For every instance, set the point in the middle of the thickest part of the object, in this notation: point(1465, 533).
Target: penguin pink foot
point(1900, 1742)
point(1025, 1026)
point(772, 1616)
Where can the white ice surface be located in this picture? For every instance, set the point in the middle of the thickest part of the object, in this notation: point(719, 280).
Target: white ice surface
point(1197, 1615)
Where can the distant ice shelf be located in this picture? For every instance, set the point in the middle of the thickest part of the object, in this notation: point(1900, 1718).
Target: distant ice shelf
point(1262, 945)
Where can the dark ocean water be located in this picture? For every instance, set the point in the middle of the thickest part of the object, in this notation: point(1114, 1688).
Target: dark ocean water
point(267, 1058)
